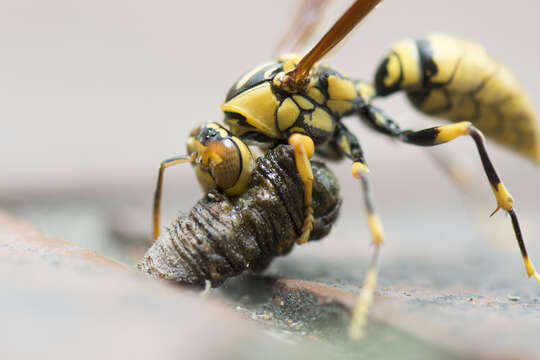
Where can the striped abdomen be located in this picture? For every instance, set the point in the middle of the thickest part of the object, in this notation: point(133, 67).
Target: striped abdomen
point(458, 80)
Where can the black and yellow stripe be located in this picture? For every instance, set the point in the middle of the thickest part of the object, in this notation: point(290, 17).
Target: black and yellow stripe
point(457, 80)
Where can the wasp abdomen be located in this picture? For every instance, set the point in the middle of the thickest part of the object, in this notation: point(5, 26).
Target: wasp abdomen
point(458, 80)
point(224, 236)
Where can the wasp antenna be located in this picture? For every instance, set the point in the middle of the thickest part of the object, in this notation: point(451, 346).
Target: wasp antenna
point(157, 195)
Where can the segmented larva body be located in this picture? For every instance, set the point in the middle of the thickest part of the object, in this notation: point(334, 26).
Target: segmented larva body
point(224, 236)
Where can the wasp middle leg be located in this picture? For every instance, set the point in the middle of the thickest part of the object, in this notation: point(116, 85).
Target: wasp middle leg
point(350, 147)
point(442, 134)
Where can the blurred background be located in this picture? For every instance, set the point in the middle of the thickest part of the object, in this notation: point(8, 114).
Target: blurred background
point(94, 95)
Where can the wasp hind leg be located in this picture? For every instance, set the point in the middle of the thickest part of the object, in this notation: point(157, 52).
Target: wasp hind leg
point(303, 150)
point(349, 145)
point(157, 195)
point(443, 134)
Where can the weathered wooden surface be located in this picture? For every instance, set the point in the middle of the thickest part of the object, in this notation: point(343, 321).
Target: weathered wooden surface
point(58, 301)
point(449, 279)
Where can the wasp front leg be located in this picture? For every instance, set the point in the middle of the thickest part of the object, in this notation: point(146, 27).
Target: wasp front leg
point(303, 150)
point(349, 145)
point(442, 134)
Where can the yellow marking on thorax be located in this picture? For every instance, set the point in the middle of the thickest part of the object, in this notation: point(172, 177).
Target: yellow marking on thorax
point(304, 103)
point(341, 89)
point(287, 114)
point(340, 106)
point(258, 105)
point(316, 95)
point(320, 119)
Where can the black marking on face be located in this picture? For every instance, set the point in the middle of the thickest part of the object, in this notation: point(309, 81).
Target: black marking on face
point(208, 134)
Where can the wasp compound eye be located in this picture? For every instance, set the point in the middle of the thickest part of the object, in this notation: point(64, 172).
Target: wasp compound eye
point(224, 161)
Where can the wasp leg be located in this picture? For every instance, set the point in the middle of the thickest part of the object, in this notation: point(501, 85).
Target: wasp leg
point(349, 145)
point(365, 299)
point(157, 195)
point(379, 121)
point(303, 150)
point(443, 134)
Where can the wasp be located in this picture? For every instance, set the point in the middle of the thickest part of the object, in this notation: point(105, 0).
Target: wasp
point(300, 102)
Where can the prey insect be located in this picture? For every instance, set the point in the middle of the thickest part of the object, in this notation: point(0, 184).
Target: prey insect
point(223, 236)
point(297, 101)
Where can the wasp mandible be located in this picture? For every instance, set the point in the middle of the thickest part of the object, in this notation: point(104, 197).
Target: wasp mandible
point(299, 102)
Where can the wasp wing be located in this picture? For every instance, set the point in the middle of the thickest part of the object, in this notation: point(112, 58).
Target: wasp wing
point(358, 11)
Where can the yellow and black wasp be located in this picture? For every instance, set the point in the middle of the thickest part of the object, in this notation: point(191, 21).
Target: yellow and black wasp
point(299, 102)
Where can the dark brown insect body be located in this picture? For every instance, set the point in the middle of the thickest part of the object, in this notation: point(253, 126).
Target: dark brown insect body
point(224, 236)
